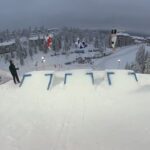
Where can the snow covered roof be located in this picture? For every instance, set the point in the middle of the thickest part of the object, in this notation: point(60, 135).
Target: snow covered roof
point(23, 39)
point(36, 37)
point(53, 29)
point(138, 38)
point(122, 34)
point(7, 43)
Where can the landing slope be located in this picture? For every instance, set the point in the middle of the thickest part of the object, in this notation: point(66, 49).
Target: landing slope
point(76, 114)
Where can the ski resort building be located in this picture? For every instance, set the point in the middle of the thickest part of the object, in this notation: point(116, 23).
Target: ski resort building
point(148, 41)
point(138, 39)
point(124, 39)
point(7, 46)
point(53, 31)
point(10, 46)
point(36, 40)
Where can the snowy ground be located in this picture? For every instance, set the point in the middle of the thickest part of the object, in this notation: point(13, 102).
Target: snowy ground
point(78, 115)
point(125, 55)
point(4, 77)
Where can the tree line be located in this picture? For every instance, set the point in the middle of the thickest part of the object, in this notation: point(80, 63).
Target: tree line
point(63, 40)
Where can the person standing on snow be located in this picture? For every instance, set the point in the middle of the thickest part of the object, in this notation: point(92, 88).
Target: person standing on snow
point(13, 71)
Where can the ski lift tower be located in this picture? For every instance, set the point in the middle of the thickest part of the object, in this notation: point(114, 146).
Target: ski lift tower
point(113, 38)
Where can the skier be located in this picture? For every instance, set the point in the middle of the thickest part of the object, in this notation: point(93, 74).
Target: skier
point(13, 71)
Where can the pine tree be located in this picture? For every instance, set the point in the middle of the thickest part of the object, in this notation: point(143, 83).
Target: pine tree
point(31, 52)
point(127, 66)
point(140, 59)
point(54, 44)
point(147, 65)
point(21, 61)
point(96, 42)
point(66, 44)
point(12, 54)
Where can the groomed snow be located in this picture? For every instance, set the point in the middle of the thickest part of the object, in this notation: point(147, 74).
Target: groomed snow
point(78, 115)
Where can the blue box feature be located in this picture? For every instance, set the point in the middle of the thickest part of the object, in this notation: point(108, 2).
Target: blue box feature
point(92, 76)
point(133, 74)
point(24, 76)
point(108, 77)
point(50, 80)
point(66, 75)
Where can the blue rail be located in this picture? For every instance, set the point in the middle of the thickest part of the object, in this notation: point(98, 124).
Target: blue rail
point(133, 74)
point(92, 76)
point(50, 80)
point(108, 77)
point(24, 76)
point(66, 75)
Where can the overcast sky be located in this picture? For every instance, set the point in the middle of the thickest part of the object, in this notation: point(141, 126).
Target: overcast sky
point(124, 14)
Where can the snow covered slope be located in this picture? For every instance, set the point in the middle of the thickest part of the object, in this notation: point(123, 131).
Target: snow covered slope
point(4, 77)
point(79, 113)
point(124, 54)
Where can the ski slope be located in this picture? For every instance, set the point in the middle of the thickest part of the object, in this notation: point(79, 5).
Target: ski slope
point(124, 55)
point(76, 113)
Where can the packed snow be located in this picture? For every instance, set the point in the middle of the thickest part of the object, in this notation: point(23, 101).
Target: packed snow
point(78, 115)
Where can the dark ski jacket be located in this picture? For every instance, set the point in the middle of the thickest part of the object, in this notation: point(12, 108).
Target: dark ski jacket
point(13, 69)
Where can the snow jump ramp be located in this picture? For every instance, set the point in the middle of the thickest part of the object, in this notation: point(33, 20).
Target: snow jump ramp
point(49, 79)
point(76, 110)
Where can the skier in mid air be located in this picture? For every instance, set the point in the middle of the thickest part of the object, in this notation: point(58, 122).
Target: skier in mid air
point(13, 71)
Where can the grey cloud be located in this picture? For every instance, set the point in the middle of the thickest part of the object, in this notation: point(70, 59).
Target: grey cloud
point(129, 14)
